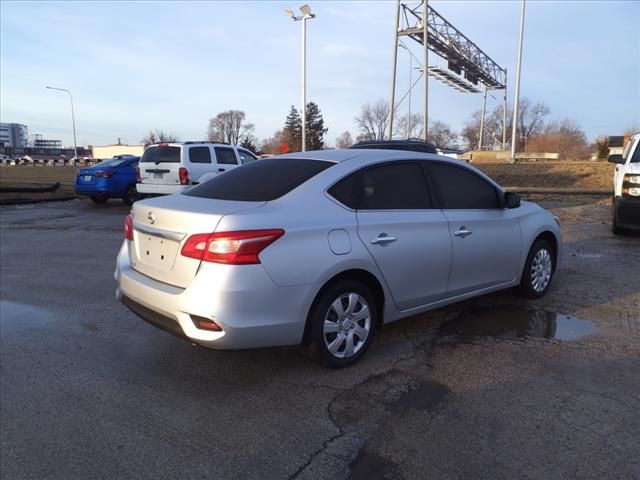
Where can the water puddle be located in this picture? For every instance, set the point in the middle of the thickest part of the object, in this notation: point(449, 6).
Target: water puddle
point(515, 322)
point(370, 466)
point(422, 395)
point(16, 316)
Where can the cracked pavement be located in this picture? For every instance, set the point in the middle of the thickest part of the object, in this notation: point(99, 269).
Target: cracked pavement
point(90, 391)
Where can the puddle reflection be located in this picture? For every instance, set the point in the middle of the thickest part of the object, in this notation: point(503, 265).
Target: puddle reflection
point(16, 316)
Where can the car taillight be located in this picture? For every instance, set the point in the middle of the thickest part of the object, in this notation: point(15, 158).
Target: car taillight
point(104, 174)
point(183, 173)
point(128, 227)
point(234, 248)
point(138, 179)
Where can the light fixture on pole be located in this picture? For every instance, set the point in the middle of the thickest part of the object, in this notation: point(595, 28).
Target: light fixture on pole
point(73, 119)
point(306, 15)
point(514, 128)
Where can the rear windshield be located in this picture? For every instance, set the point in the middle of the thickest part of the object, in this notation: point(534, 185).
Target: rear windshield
point(260, 181)
point(161, 155)
point(113, 162)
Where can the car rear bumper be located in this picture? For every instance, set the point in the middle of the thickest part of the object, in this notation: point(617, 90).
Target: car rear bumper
point(160, 189)
point(627, 212)
point(251, 310)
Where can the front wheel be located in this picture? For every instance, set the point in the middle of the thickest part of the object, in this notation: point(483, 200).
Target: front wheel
point(538, 270)
point(343, 322)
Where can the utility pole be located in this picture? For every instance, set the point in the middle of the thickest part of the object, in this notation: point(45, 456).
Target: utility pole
point(392, 99)
point(514, 128)
point(484, 109)
point(425, 43)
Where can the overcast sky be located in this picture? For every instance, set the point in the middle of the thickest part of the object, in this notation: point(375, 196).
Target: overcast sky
point(134, 66)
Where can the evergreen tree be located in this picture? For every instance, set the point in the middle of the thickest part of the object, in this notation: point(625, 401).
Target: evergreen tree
point(315, 127)
point(293, 130)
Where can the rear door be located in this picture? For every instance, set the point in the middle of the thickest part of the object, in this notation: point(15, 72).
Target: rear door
point(160, 164)
point(226, 158)
point(200, 161)
point(407, 238)
point(486, 238)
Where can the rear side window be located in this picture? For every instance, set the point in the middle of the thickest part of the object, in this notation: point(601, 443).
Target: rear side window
point(161, 155)
point(200, 155)
point(226, 156)
point(397, 186)
point(460, 188)
point(260, 181)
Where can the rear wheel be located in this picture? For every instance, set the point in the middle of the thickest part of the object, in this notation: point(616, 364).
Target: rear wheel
point(343, 322)
point(130, 195)
point(538, 270)
point(100, 198)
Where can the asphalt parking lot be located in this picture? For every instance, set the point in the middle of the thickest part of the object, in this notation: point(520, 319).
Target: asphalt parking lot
point(494, 388)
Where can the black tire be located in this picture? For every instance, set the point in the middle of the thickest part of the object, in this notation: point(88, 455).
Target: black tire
point(99, 199)
point(528, 287)
point(130, 195)
point(614, 223)
point(322, 308)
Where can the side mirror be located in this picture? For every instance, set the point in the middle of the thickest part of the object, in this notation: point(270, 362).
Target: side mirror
point(511, 200)
point(616, 158)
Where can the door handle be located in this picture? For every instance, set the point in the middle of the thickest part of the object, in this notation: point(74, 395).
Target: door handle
point(382, 239)
point(462, 232)
point(221, 169)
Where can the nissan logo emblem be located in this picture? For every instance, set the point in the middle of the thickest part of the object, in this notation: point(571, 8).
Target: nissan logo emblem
point(151, 218)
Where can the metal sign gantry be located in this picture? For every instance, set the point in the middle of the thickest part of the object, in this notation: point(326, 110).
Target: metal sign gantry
point(467, 65)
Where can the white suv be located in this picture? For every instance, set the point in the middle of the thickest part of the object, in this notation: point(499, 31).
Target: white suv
point(167, 168)
point(626, 184)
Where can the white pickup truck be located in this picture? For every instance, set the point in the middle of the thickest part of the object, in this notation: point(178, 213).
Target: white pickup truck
point(626, 185)
point(167, 168)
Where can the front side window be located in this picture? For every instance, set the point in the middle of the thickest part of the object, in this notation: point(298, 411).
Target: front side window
point(226, 156)
point(200, 155)
point(460, 188)
point(397, 186)
point(246, 157)
point(636, 154)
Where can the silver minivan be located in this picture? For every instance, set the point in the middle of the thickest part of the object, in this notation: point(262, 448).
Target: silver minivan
point(167, 168)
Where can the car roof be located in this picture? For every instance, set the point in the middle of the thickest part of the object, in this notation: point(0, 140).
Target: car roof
point(373, 154)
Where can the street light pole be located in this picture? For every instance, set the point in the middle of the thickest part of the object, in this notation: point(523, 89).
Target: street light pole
point(516, 100)
point(73, 119)
point(306, 15)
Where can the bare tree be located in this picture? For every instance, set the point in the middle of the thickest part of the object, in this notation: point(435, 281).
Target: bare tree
point(373, 120)
point(409, 127)
point(273, 144)
point(441, 134)
point(229, 127)
point(564, 137)
point(158, 136)
point(530, 123)
point(344, 140)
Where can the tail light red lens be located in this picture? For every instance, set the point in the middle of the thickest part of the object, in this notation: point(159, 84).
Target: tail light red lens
point(234, 248)
point(138, 179)
point(183, 173)
point(104, 174)
point(128, 227)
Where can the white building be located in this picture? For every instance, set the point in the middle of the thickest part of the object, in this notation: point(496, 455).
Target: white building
point(13, 135)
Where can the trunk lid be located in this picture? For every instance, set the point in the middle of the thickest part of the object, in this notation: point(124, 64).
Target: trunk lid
point(161, 226)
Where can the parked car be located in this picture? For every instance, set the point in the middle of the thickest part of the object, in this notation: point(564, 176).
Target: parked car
point(113, 178)
point(411, 145)
point(324, 247)
point(626, 185)
point(168, 168)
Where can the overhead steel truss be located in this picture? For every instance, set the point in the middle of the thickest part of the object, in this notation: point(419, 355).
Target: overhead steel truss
point(467, 65)
point(451, 44)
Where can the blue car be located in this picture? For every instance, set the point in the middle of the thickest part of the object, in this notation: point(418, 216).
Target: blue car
point(113, 178)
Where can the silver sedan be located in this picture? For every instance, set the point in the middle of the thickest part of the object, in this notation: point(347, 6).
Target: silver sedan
point(323, 248)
